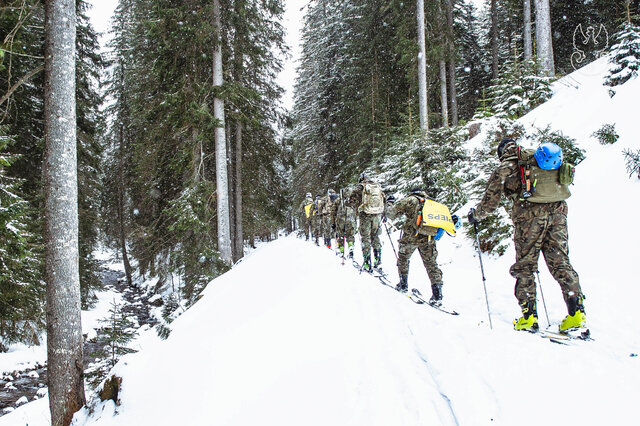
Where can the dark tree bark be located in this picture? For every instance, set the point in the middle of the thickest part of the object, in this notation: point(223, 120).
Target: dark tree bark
point(121, 211)
point(494, 38)
point(451, 65)
point(64, 331)
point(239, 239)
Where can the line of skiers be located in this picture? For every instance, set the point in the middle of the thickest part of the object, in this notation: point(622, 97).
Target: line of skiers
point(535, 181)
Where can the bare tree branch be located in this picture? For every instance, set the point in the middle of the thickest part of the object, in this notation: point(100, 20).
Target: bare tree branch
point(20, 83)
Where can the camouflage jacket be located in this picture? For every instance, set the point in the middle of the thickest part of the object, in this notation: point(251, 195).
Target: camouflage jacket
point(304, 203)
point(507, 179)
point(407, 207)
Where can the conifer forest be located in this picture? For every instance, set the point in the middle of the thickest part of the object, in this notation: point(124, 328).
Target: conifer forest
point(186, 154)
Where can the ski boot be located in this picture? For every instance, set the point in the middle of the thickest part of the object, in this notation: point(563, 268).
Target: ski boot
point(403, 285)
point(327, 243)
point(436, 295)
point(576, 318)
point(529, 319)
point(366, 263)
point(377, 257)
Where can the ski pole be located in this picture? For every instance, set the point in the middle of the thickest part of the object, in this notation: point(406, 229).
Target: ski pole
point(544, 304)
point(391, 241)
point(484, 280)
point(344, 246)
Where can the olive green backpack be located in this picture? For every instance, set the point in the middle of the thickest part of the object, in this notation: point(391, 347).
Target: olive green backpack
point(543, 186)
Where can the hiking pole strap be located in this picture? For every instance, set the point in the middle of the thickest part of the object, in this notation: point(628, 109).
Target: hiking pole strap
point(484, 280)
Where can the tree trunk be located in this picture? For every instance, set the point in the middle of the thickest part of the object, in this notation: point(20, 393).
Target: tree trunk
point(528, 51)
point(543, 36)
point(422, 68)
point(494, 38)
point(443, 93)
point(64, 330)
point(122, 231)
point(239, 238)
point(451, 63)
point(222, 193)
point(238, 233)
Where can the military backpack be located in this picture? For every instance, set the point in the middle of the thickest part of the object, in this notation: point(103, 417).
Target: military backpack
point(431, 217)
point(543, 186)
point(372, 198)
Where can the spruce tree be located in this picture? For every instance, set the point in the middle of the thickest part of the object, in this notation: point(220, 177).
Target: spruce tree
point(625, 55)
point(21, 290)
point(521, 86)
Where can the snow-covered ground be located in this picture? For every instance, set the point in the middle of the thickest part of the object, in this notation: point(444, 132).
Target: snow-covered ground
point(292, 337)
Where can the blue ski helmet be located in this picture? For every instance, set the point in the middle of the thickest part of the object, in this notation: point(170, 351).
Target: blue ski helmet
point(549, 156)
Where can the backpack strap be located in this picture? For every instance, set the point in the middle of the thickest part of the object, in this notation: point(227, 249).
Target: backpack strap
point(525, 175)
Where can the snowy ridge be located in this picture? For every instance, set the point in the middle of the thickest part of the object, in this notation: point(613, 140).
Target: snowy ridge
point(291, 337)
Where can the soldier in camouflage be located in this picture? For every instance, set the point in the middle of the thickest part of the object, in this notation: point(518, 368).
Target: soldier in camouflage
point(327, 207)
point(346, 223)
point(411, 240)
point(370, 223)
point(316, 220)
point(537, 227)
point(305, 210)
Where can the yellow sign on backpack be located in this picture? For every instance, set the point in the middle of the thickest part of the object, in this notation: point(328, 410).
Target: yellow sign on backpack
point(307, 209)
point(437, 215)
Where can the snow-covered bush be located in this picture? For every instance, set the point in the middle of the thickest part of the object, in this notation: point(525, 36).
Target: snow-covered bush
point(521, 86)
point(625, 55)
point(632, 159)
point(606, 135)
point(436, 165)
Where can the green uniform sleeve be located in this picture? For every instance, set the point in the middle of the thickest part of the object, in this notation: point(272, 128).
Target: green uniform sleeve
point(495, 188)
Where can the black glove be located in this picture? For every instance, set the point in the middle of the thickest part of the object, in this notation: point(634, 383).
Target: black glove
point(471, 217)
point(333, 227)
point(391, 199)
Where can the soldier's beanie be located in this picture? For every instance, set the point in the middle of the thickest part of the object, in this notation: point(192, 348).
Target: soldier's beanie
point(416, 190)
point(502, 145)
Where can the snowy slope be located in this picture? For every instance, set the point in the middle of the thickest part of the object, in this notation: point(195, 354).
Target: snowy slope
point(292, 337)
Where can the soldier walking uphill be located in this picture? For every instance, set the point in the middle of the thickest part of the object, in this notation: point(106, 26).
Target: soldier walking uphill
point(539, 214)
point(369, 199)
point(416, 236)
point(345, 223)
point(305, 210)
point(316, 220)
point(327, 207)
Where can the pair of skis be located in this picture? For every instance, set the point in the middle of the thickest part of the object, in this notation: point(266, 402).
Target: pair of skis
point(565, 338)
point(415, 296)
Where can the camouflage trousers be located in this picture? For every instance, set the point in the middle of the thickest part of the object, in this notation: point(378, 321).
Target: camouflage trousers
point(427, 248)
point(305, 222)
point(327, 232)
point(345, 228)
point(370, 232)
point(542, 228)
point(316, 226)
